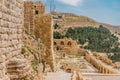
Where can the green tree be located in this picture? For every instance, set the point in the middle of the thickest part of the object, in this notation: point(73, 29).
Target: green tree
point(57, 35)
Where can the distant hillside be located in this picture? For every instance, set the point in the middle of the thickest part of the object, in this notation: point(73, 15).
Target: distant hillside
point(66, 20)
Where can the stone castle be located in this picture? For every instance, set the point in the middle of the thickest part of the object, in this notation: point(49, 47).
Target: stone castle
point(39, 24)
point(16, 17)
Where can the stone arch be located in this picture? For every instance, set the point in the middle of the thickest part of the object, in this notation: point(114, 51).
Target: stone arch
point(62, 42)
point(69, 43)
point(55, 43)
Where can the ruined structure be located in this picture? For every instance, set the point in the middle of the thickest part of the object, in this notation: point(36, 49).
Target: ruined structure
point(104, 58)
point(67, 46)
point(104, 66)
point(39, 24)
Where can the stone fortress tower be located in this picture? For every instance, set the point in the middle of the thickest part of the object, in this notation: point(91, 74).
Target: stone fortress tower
point(31, 10)
point(39, 24)
point(13, 65)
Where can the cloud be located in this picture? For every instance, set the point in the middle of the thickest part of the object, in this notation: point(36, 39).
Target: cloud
point(72, 2)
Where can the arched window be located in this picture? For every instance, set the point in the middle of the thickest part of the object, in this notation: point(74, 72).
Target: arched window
point(55, 43)
point(69, 43)
point(62, 43)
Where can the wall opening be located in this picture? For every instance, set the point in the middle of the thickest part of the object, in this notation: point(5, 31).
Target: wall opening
point(36, 12)
point(69, 43)
point(62, 43)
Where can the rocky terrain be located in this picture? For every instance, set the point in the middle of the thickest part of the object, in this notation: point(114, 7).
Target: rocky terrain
point(65, 20)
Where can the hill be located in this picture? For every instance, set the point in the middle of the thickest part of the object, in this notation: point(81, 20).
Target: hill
point(66, 20)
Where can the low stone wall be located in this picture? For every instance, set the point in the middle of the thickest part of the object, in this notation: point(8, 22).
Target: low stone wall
point(100, 65)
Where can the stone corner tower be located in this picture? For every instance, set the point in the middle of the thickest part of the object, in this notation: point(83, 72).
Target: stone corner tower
point(39, 24)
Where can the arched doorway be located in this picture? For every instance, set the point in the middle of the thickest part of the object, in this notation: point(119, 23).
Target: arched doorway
point(69, 43)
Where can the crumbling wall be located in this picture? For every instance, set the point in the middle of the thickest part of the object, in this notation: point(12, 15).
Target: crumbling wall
point(44, 31)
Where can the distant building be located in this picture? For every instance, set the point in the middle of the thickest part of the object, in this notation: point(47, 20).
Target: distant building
point(66, 45)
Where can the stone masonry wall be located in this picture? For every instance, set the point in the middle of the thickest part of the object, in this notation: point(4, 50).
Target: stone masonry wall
point(11, 24)
point(37, 23)
point(32, 9)
point(44, 31)
point(67, 46)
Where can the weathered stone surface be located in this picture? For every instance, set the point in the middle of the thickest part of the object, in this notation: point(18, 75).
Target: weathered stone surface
point(43, 30)
point(32, 9)
point(11, 24)
point(37, 23)
point(18, 67)
point(66, 46)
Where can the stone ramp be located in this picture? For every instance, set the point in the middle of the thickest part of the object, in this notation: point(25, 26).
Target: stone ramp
point(58, 76)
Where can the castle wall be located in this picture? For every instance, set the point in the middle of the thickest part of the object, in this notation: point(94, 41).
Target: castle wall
point(11, 19)
point(39, 24)
point(44, 31)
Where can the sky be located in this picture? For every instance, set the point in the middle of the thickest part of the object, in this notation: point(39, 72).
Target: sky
point(105, 11)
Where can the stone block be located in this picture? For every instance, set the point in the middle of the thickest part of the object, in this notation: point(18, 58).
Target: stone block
point(2, 58)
